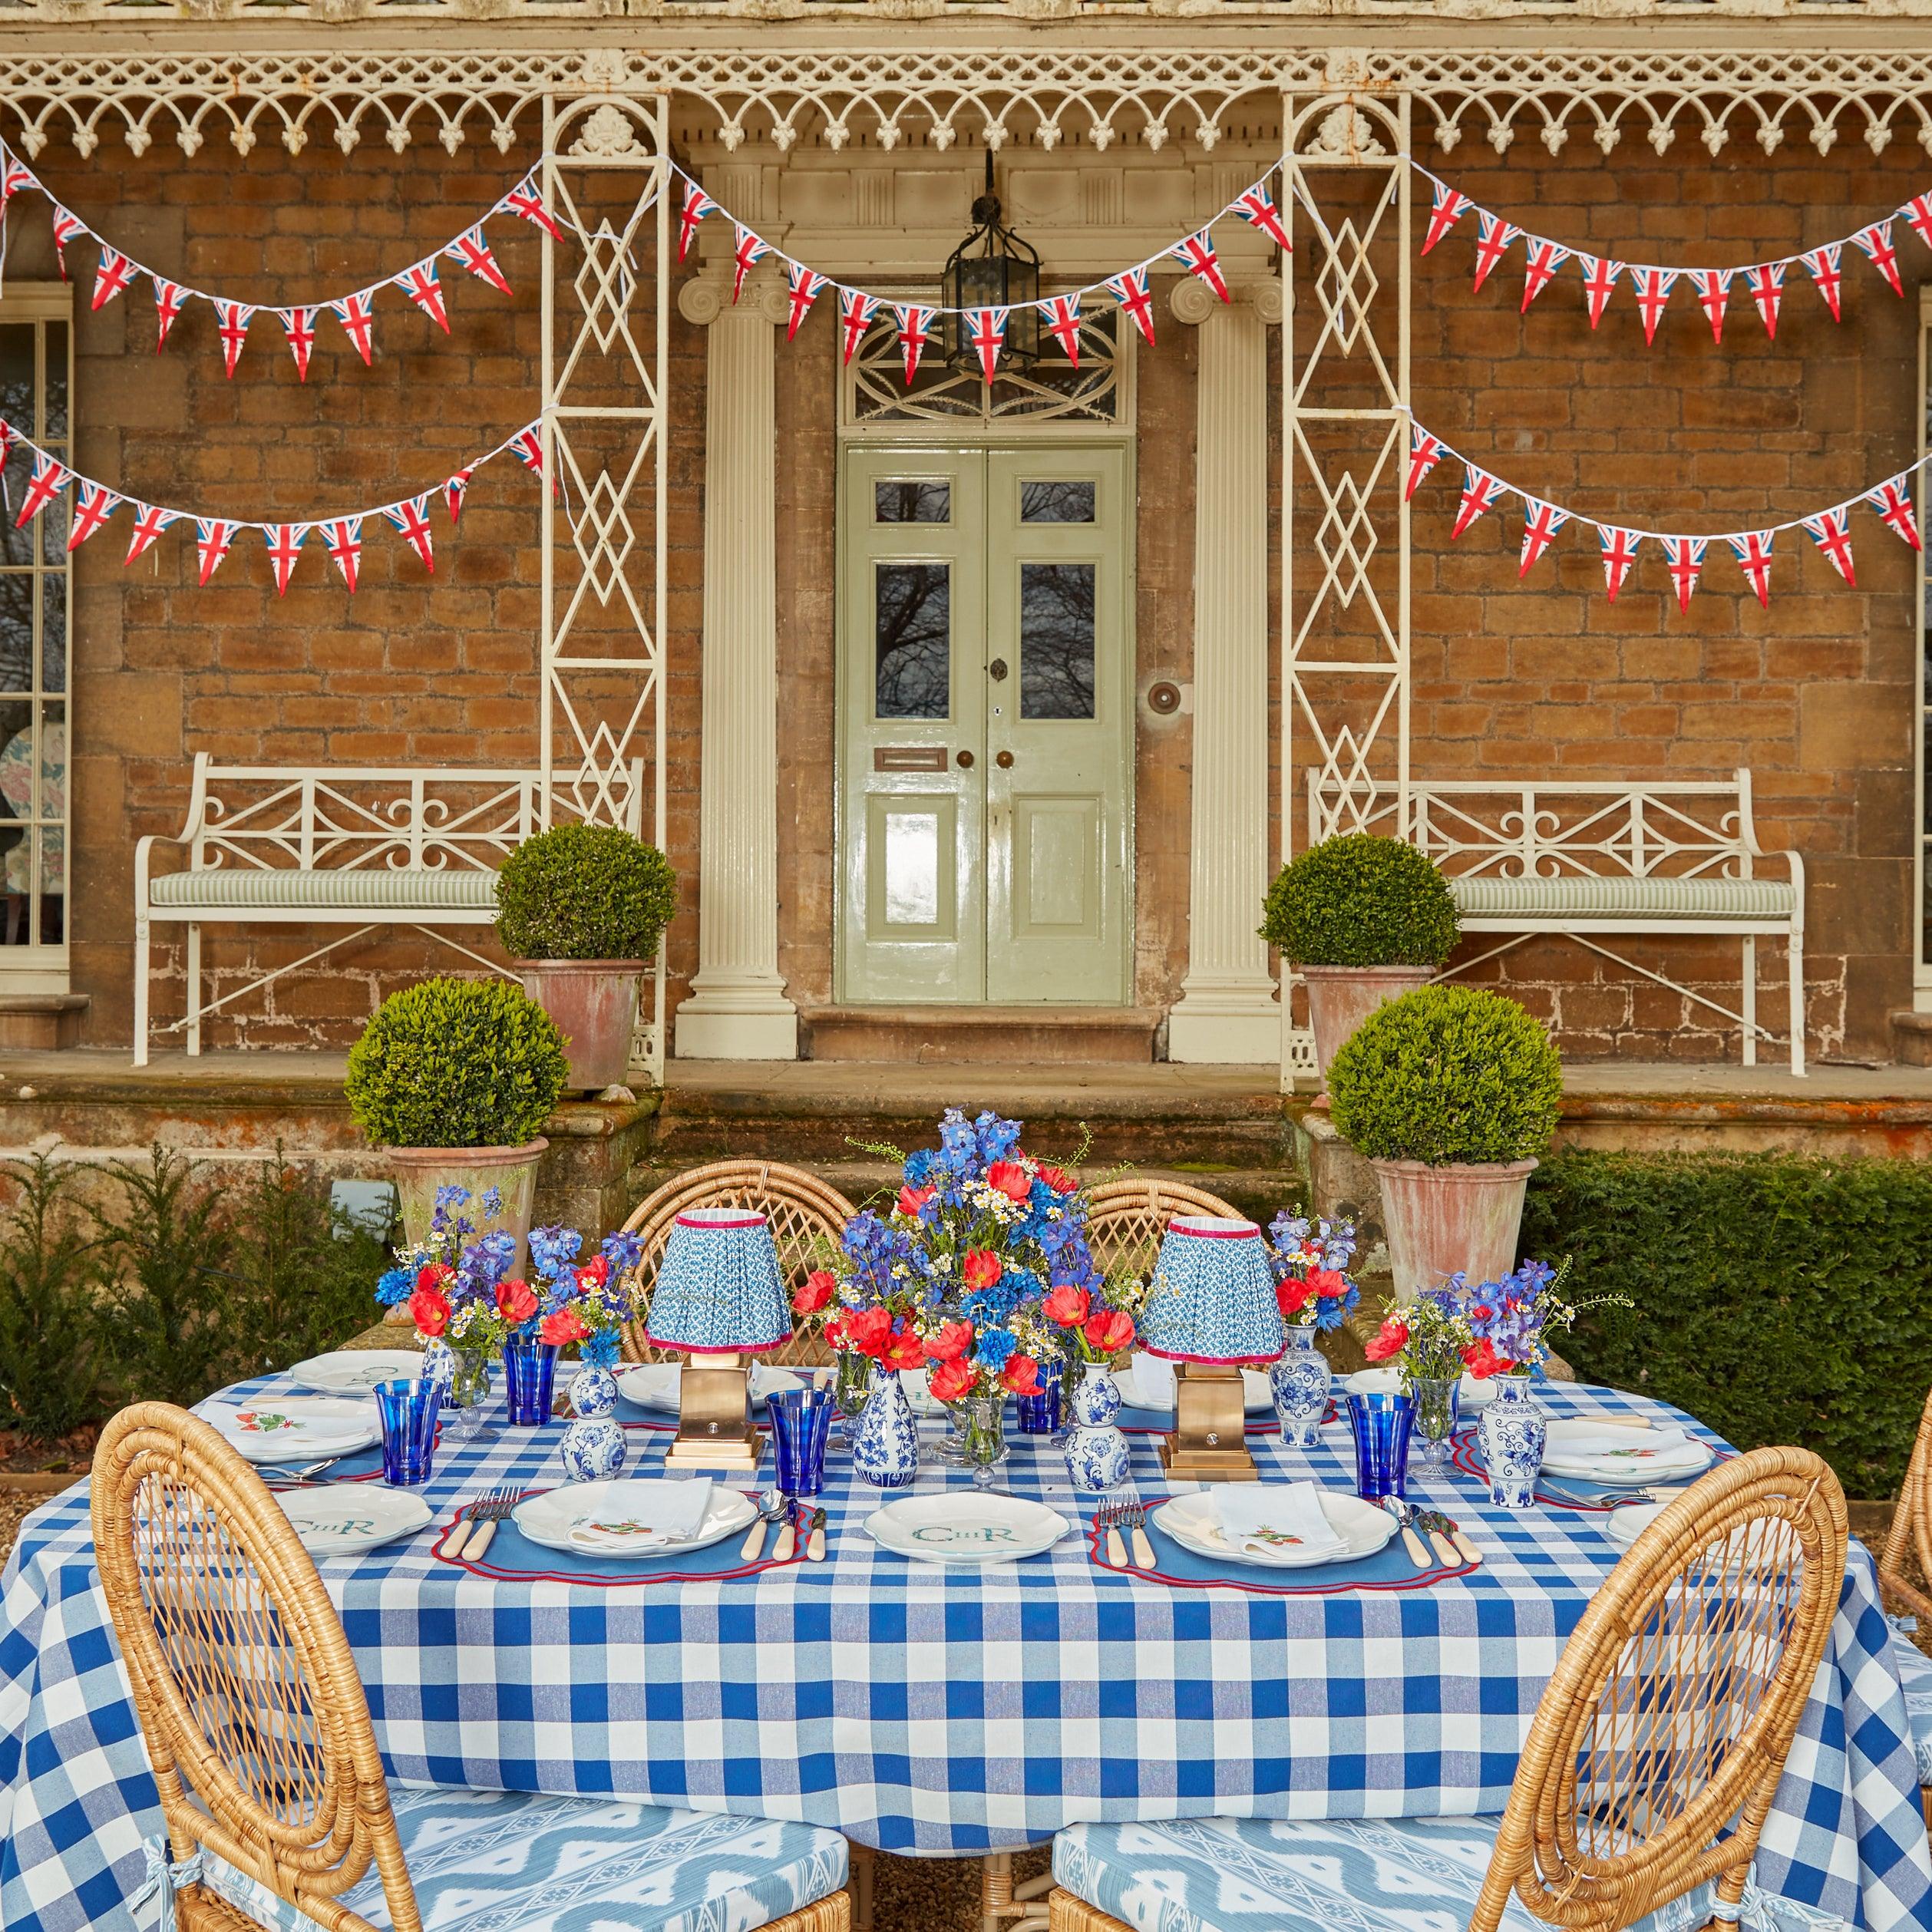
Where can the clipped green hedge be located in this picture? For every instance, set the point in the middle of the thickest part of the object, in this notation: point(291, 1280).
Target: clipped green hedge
point(1358, 900)
point(584, 892)
point(1779, 1299)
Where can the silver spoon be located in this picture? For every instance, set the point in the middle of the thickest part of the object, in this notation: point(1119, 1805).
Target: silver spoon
point(294, 1478)
point(1404, 1513)
point(772, 1506)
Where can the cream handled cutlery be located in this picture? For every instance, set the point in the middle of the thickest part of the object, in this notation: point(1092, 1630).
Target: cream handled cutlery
point(772, 1509)
point(1404, 1513)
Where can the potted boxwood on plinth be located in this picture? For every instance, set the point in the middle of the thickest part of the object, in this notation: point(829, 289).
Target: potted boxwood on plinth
point(1365, 919)
point(454, 1078)
point(580, 909)
point(1451, 1094)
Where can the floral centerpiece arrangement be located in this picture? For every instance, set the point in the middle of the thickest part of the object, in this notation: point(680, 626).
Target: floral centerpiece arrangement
point(1430, 1342)
point(1316, 1295)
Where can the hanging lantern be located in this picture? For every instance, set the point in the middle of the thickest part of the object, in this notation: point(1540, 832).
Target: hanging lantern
point(992, 268)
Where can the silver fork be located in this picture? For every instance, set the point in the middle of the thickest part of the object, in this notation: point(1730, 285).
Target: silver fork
point(1135, 1514)
point(1577, 1500)
point(1108, 1518)
point(480, 1525)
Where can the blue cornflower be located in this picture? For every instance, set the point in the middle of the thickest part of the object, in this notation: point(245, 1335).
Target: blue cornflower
point(919, 1168)
point(396, 1285)
point(992, 1347)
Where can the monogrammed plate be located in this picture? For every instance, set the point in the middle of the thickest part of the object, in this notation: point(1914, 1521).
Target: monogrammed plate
point(341, 1519)
point(956, 1528)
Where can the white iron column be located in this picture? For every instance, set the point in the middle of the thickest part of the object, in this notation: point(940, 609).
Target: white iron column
point(737, 1009)
point(1227, 1010)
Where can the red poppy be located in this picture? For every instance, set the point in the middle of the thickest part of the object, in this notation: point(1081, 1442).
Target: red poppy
point(868, 1330)
point(982, 1268)
point(516, 1300)
point(1391, 1340)
point(1108, 1330)
point(593, 1274)
point(434, 1274)
point(951, 1380)
point(950, 1342)
point(1482, 1361)
point(1068, 1306)
point(565, 1326)
point(903, 1350)
point(1291, 1296)
point(911, 1200)
point(1021, 1375)
point(815, 1291)
point(835, 1332)
point(429, 1310)
point(1328, 1281)
point(1058, 1180)
point(1011, 1179)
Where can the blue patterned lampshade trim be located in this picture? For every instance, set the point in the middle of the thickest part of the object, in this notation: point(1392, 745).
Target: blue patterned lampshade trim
point(1214, 1297)
point(719, 1291)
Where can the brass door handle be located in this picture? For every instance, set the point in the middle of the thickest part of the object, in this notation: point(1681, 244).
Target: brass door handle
point(1004, 759)
point(965, 760)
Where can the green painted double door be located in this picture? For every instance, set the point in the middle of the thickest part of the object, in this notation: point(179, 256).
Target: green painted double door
point(986, 751)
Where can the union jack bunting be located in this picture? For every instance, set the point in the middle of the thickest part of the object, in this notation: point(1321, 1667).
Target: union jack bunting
point(1829, 530)
point(528, 443)
point(1257, 209)
point(803, 286)
point(987, 334)
point(474, 252)
point(1541, 521)
point(352, 311)
point(168, 298)
point(1620, 548)
point(231, 319)
point(1448, 209)
point(914, 320)
point(212, 538)
point(1062, 316)
point(411, 521)
point(1822, 264)
point(1684, 555)
point(1480, 490)
point(298, 324)
point(344, 538)
point(1540, 267)
point(49, 480)
point(66, 226)
point(697, 205)
point(1424, 452)
point(1600, 282)
point(1129, 289)
point(1918, 212)
point(1877, 242)
point(455, 490)
point(420, 286)
point(1767, 285)
point(113, 275)
point(1653, 287)
point(14, 175)
point(1714, 287)
point(747, 250)
point(1895, 507)
point(1752, 549)
point(1196, 254)
point(1493, 235)
point(150, 521)
point(856, 309)
point(93, 505)
point(285, 545)
point(525, 199)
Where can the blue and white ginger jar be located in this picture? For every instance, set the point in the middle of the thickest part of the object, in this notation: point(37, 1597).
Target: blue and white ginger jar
point(1513, 1430)
point(885, 1447)
point(593, 1445)
point(1096, 1452)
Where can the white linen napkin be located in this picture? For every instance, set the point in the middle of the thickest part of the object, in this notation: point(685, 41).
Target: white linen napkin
point(1269, 1518)
point(1152, 1384)
point(1586, 1440)
point(647, 1515)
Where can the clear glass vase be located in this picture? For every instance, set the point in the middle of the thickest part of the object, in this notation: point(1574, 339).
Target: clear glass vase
point(464, 1399)
point(983, 1434)
point(851, 1384)
point(1437, 1400)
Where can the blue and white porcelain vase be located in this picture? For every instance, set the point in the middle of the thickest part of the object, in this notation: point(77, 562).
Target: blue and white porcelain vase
point(439, 1364)
point(1097, 1455)
point(1512, 1430)
point(593, 1444)
point(1300, 1382)
point(885, 1447)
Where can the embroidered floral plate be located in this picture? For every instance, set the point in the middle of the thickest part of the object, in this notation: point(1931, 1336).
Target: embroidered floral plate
point(355, 1371)
point(1641, 1463)
point(955, 1529)
point(548, 1519)
point(1191, 1521)
point(295, 1429)
point(336, 1519)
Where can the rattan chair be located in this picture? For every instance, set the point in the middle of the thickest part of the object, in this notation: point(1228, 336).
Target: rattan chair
point(1126, 1219)
point(273, 1794)
point(1905, 1584)
point(1668, 1720)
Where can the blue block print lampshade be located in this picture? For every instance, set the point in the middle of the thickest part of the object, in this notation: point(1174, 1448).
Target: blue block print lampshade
point(719, 1291)
point(1213, 1296)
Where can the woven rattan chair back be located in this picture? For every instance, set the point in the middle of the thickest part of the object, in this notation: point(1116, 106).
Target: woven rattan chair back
point(248, 1696)
point(1675, 1702)
point(805, 1214)
point(1126, 1219)
point(1905, 1564)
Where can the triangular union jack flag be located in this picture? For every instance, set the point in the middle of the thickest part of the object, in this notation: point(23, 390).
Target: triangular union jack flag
point(1684, 555)
point(1822, 264)
point(1062, 315)
point(1652, 287)
point(1895, 506)
point(856, 309)
point(1479, 491)
point(1424, 452)
point(231, 319)
point(1766, 282)
point(1257, 209)
point(1449, 208)
point(474, 252)
point(1752, 549)
point(915, 320)
point(803, 286)
point(1493, 235)
point(1197, 255)
point(49, 480)
point(1877, 242)
point(212, 538)
point(1600, 283)
point(1714, 287)
point(1543, 260)
point(411, 520)
point(66, 225)
point(528, 444)
point(988, 335)
point(526, 200)
point(14, 175)
point(1129, 289)
point(747, 250)
point(298, 324)
point(352, 311)
point(1541, 521)
point(1829, 530)
point(94, 504)
point(168, 297)
point(420, 285)
point(697, 205)
point(285, 545)
point(1918, 212)
point(344, 538)
point(113, 275)
point(455, 490)
point(150, 521)
point(1620, 548)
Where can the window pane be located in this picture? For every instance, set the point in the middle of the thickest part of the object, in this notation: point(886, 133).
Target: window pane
point(16, 545)
point(913, 623)
point(1056, 502)
point(1056, 640)
point(913, 500)
point(55, 522)
point(55, 424)
point(53, 631)
point(17, 374)
point(16, 631)
point(16, 843)
point(53, 761)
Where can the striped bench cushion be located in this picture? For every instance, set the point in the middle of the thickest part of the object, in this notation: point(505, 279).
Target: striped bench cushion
point(1613, 898)
point(243, 888)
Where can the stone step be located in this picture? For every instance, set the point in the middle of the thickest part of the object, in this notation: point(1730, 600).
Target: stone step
point(951, 1035)
point(1912, 1038)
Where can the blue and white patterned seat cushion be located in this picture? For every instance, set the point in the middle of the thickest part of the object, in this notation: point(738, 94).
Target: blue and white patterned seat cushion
point(1228, 1874)
point(508, 1861)
point(1915, 1673)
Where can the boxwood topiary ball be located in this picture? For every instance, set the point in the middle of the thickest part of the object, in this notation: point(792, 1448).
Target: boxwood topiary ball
point(1447, 1074)
point(456, 1063)
point(1358, 900)
point(584, 892)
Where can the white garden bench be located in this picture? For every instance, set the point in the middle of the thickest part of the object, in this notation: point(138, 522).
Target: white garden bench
point(356, 847)
point(1584, 861)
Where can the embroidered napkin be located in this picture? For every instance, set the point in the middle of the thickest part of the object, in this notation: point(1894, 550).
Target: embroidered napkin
point(1587, 1441)
point(302, 1424)
point(647, 1515)
point(1152, 1382)
point(1272, 1519)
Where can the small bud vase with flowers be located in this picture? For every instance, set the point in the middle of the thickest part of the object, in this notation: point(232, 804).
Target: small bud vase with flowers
point(1317, 1296)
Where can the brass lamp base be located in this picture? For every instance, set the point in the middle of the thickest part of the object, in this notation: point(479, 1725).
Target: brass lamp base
point(1210, 1440)
point(714, 1426)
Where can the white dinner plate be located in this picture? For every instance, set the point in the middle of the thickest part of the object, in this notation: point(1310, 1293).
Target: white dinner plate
point(341, 1519)
point(295, 1429)
point(1257, 1398)
point(1632, 1467)
point(1191, 1521)
point(1471, 1394)
point(957, 1528)
point(655, 1385)
point(548, 1519)
point(1625, 1525)
point(354, 1372)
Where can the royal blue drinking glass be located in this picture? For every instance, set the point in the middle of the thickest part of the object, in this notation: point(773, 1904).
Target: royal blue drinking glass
point(1040, 1415)
point(409, 1411)
point(801, 1422)
point(1382, 1424)
point(529, 1368)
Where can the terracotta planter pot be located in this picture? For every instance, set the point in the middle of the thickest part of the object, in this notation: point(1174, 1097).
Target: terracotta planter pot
point(1341, 998)
point(511, 1171)
point(594, 1003)
point(1441, 1220)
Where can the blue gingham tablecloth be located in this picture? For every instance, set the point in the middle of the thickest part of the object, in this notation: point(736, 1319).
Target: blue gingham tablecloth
point(942, 1711)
